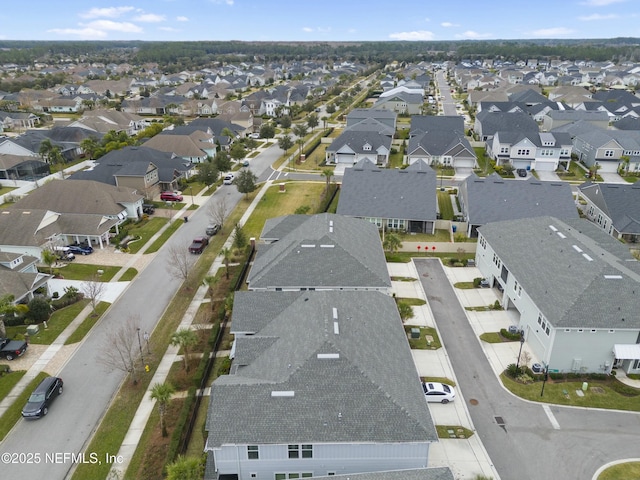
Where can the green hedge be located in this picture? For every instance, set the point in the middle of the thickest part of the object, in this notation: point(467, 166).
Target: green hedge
point(181, 424)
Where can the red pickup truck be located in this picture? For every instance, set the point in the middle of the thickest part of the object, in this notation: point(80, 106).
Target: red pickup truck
point(198, 245)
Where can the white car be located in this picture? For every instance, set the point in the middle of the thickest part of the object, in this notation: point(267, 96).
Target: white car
point(436, 392)
point(228, 179)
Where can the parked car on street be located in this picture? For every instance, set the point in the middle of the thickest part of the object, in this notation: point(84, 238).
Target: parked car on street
point(198, 245)
point(212, 229)
point(228, 179)
point(80, 249)
point(42, 397)
point(170, 197)
point(436, 392)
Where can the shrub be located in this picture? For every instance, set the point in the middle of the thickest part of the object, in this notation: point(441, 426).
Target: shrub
point(39, 310)
point(508, 335)
point(225, 366)
point(512, 371)
point(476, 282)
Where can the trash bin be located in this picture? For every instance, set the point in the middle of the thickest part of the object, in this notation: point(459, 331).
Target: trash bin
point(585, 386)
point(186, 219)
point(454, 228)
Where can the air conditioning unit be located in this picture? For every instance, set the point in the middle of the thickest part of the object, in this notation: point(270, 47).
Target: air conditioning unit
point(513, 329)
point(537, 368)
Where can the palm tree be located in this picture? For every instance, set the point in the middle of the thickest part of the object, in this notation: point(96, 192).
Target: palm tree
point(391, 243)
point(45, 149)
point(49, 259)
point(226, 259)
point(185, 339)
point(161, 393)
point(327, 173)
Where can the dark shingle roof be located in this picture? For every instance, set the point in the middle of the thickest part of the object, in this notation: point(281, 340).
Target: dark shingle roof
point(598, 290)
point(408, 194)
point(324, 251)
point(494, 199)
point(336, 400)
point(619, 202)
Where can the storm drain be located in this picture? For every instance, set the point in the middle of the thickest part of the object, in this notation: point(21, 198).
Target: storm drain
point(499, 421)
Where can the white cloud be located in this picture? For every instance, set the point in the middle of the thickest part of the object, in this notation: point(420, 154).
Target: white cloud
point(415, 35)
point(150, 18)
point(307, 29)
point(84, 33)
point(449, 24)
point(316, 29)
point(597, 16)
point(552, 32)
point(108, 25)
point(601, 3)
point(111, 12)
point(222, 2)
point(471, 35)
point(182, 19)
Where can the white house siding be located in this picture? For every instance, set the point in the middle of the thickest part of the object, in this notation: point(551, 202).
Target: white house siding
point(587, 351)
point(327, 458)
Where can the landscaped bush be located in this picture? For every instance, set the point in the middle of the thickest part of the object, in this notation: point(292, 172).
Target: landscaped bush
point(39, 310)
point(181, 422)
point(508, 335)
point(476, 282)
point(71, 296)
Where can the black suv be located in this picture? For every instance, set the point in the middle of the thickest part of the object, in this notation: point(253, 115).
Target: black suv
point(521, 172)
point(41, 398)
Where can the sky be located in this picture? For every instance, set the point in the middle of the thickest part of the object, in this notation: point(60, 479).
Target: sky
point(317, 20)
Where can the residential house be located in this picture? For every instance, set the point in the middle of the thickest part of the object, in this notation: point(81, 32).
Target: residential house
point(609, 150)
point(541, 151)
point(571, 288)
point(491, 199)
point(487, 123)
point(614, 207)
point(439, 140)
point(367, 139)
point(19, 276)
point(558, 118)
point(144, 169)
point(103, 121)
point(22, 167)
point(402, 100)
point(188, 142)
point(67, 139)
point(319, 252)
point(398, 199)
point(17, 120)
point(342, 356)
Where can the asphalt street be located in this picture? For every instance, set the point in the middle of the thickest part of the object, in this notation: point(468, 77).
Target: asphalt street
point(525, 440)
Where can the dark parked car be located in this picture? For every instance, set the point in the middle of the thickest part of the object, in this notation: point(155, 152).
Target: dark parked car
point(79, 248)
point(41, 398)
point(148, 208)
point(521, 172)
point(198, 245)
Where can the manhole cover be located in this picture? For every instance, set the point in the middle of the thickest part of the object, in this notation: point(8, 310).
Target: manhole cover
point(499, 420)
point(473, 401)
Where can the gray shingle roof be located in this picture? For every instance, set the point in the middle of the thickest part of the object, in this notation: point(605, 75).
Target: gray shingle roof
point(314, 254)
point(335, 399)
point(437, 473)
point(620, 202)
point(570, 289)
point(356, 140)
point(494, 199)
point(493, 122)
point(368, 191)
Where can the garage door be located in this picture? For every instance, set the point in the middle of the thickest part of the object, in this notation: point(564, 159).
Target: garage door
point(521, 164)
point(464, 163)
point(545, 166)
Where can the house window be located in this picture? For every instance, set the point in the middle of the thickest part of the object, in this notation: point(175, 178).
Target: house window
point(608, 153)
point(567, 330)
point(285, 476)
point(636, 364)
point(546, 330)
point(252, 452)
point(296, 452)
point(593, 330)
point(519, 290)
point(515, 286)
point(612, 331)
point(580, 330)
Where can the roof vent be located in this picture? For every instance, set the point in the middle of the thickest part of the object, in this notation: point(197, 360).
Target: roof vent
point(283, 393)
point(328, 355)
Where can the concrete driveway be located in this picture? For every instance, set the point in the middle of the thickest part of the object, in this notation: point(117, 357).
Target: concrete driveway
point(547, 176)
point(611, 177)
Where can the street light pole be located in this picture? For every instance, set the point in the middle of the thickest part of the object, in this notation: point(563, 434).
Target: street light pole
point(146, 339)
point(140, 345)
point(520, 352)
point(544, 379)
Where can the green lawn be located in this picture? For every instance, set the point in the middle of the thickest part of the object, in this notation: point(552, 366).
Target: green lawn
point(83, 271)
point(423, 343)
point(446, 208)
point(4, 190)
point(164, 236)
point(87, 324)
point(275, 203)
point(58, 321)
point(9, 381)
point(626, 471)
point(145, 230)
point(600, 394)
